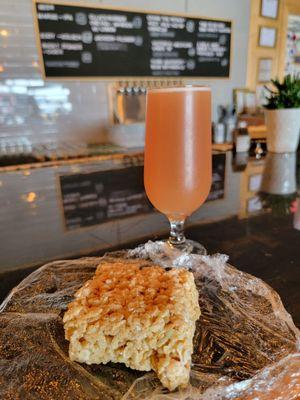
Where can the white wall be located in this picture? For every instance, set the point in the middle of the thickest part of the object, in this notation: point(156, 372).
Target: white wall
point(85, 115)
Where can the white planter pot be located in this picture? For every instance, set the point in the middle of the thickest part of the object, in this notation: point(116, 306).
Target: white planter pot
point(283, 129)
point(279, 175)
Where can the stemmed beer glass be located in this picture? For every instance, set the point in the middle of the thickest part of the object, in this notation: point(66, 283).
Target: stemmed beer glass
point(178, 156)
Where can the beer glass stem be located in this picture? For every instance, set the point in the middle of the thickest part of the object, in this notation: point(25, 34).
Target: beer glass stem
point(177, 238)
point(178, 241)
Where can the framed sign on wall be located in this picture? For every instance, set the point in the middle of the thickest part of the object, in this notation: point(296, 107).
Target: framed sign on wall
point(269, 8)
point(264, 70)
point(267, 37)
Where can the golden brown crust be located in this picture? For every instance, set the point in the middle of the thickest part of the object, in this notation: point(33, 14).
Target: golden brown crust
point(143, 316)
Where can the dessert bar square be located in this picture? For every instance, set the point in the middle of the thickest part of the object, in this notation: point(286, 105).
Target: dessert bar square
point(136, 313)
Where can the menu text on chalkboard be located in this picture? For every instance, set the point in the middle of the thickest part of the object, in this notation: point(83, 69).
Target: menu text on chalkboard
point(81, 41)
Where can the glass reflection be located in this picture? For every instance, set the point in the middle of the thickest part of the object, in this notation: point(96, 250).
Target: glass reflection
point(296, 219)
point(32, 101)
point(278, 192)
point(279, 176)
point(269, 184)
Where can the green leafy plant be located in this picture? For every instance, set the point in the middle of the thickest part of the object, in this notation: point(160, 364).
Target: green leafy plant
point(285, 94)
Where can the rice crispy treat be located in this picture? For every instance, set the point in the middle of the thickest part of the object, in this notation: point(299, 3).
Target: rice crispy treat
point(137, 314)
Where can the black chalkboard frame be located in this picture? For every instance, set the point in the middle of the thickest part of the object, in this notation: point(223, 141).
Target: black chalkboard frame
point(127, 78)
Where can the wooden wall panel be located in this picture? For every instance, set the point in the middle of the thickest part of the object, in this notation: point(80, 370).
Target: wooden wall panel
point(255, 52)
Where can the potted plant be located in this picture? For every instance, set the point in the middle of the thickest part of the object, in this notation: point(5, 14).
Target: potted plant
point(283, 115)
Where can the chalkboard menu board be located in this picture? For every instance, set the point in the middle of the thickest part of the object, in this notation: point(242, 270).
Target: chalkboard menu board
point(95, 197)
point(80, 41)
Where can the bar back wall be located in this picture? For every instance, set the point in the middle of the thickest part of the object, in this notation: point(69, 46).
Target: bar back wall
point(37, 111)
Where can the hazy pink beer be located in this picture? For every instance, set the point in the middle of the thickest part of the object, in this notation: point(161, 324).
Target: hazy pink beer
point(178, 150)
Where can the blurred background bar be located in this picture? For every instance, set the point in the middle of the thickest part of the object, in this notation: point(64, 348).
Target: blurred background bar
point(72, 138)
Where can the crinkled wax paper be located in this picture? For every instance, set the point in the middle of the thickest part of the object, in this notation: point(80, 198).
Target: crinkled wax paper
point(245, 346)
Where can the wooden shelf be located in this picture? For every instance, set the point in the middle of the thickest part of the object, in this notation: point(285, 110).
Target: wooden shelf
point(222, 146)
point(257, 132)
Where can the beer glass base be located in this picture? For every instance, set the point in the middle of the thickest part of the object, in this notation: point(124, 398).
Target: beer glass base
point(189, 247)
